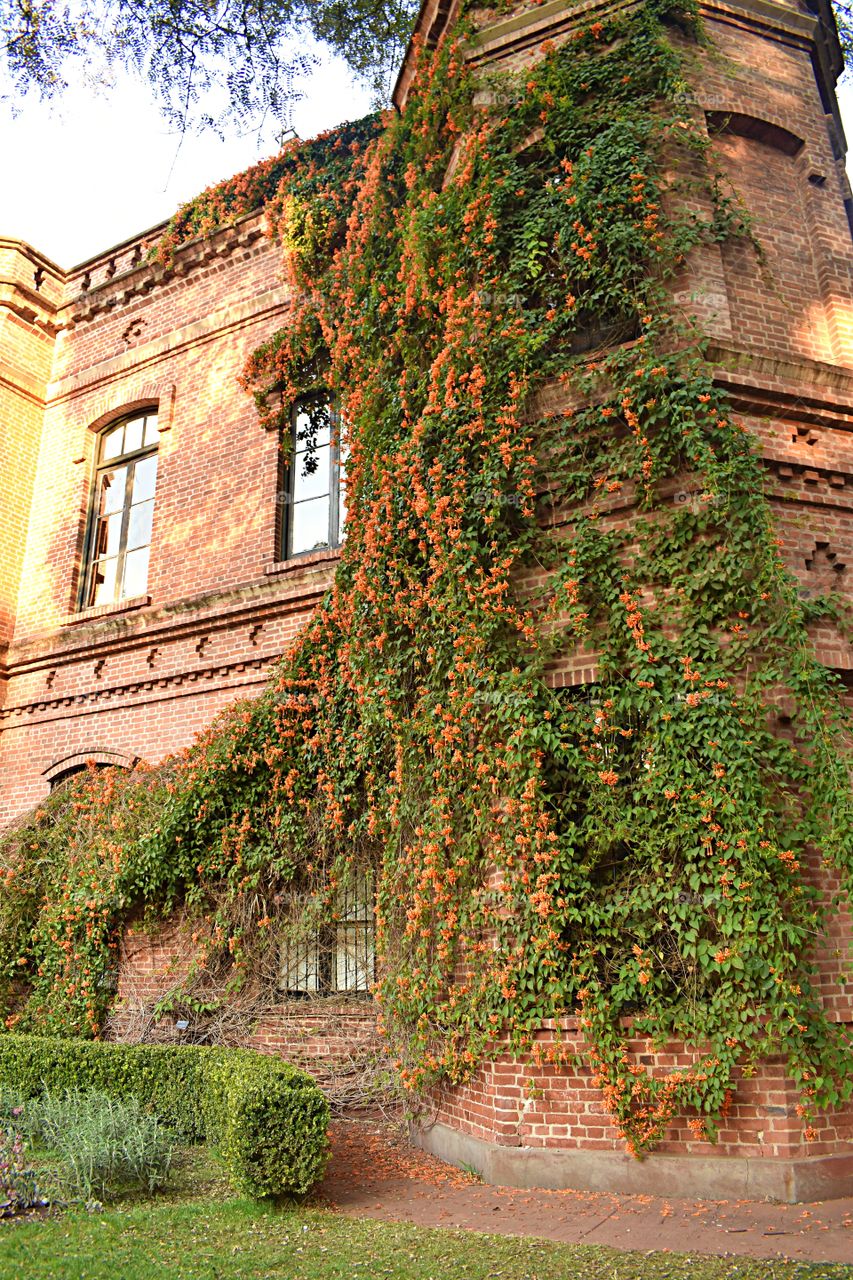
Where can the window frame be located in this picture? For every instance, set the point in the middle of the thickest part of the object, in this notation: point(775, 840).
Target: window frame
point(129, 460)
point(287, 481)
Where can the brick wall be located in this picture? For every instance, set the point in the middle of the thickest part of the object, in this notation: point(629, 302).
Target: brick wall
point(322, 1035)
point(139, 680)
point(532, 1101)
point(122, 330)
point(522, 1102)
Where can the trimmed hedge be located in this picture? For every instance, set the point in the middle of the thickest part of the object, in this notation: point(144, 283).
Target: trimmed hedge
point(268, 1120)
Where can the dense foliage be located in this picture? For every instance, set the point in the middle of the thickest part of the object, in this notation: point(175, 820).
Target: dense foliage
point(488, 293)
point(267, 1119)
point(321, 165)
point(206, 62)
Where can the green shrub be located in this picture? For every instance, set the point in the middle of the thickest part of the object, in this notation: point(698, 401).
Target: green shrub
point(268, 1119)
point(103, 1143)
point(258, 1113)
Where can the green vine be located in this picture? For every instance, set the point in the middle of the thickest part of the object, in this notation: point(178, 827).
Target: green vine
point(488, 293)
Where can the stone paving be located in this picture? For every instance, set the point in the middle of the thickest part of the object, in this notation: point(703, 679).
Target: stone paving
point(375, 1173)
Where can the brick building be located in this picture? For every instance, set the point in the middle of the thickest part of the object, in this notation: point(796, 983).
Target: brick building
point(117, 670)
point(147, 576)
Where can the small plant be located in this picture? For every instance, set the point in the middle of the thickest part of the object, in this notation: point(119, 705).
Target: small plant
point(104, 1144)
point(18, 1188)
point(12, 1108)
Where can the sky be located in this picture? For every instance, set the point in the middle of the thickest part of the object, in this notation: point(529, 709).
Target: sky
point(88, 171)
point(84, 173)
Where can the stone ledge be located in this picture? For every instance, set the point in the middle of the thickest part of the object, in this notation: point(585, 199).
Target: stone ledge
point(93, 612)
point(305, 560)
point(703, 1177)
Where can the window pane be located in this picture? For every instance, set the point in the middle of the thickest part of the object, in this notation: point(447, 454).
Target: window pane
point(354, 958)
point(108, 536)
point(311, 474)
point(120, 540)
point(135, 573)
point(139, 529)
point(133, 435)
point(111, 443)
point(144, 479)
point(111, 490)
point(309, 527)
point(103, 589)
point(300, 966)
point(313, 427)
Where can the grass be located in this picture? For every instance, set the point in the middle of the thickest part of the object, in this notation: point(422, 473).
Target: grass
point(243, 1240)
point(198, 1230)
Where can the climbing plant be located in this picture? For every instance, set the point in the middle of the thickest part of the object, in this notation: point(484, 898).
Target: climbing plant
point(540, 468)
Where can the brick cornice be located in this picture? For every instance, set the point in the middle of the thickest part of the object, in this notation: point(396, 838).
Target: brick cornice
point(763, 15)
point(526, 30)
point(217, 611)
point(767, 383)
point(93, 699)
point(138, 275)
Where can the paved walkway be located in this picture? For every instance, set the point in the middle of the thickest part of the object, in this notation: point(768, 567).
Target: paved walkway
point(375, 1173)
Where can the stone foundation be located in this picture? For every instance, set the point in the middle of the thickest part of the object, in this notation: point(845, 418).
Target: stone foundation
point(708, 1177)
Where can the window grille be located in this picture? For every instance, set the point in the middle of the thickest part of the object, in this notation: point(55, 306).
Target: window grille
point(337, 957)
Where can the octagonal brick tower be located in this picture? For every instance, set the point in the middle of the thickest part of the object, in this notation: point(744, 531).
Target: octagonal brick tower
point(781, 331)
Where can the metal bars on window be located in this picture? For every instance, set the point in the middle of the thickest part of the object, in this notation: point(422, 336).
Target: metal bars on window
point(336, 957)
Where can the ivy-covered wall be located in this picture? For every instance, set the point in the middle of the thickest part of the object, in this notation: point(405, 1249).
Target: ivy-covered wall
point(492, 285)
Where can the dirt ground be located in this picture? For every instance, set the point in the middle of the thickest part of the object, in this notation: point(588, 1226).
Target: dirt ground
point(375, 1173)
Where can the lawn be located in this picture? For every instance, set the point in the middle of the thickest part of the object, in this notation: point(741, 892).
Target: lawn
point(199, 1229)
point(233, 1239)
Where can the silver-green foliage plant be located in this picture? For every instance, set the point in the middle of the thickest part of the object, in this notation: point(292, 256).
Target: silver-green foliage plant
point(103, 1144)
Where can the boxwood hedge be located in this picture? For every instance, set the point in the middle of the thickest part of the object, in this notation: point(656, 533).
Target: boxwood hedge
point(268, 1120)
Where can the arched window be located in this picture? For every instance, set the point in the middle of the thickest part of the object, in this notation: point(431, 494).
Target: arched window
point(61, 780)
point(62, 771)
point(122, 511)
point(313, 481)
